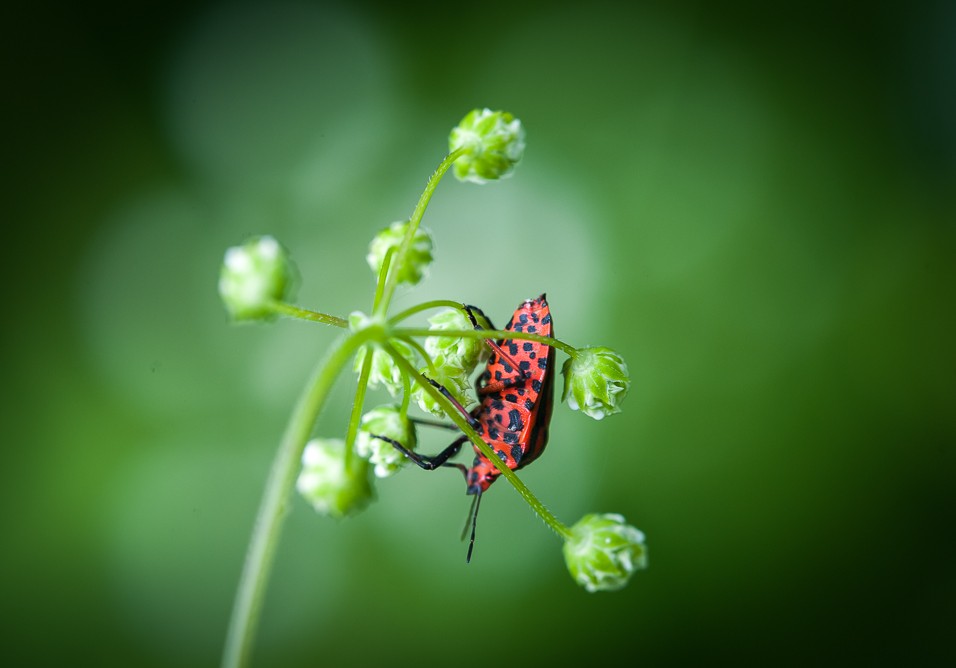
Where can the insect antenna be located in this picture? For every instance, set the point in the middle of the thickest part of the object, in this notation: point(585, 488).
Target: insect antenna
point(472, 521)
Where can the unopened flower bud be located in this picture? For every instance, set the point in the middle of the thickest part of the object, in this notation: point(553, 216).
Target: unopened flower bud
point(595, 382)
point(385, 421)
point(494, 143)
point(416, 261)
point(603, 552)
point(253, 276)
point(327, 484)
point(461, 352)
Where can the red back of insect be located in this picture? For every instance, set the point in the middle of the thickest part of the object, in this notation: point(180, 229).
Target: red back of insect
point(515, 407)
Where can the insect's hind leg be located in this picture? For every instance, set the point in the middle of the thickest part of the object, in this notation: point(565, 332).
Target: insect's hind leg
point(432, 462)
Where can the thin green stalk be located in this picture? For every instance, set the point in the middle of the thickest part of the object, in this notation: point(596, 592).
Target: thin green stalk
point(487, 334)
point(305, 314)
point(418, 308)
point(462, 423)
point(265, 534)
point(413, 222)
point(357, 405)
point(382, 275)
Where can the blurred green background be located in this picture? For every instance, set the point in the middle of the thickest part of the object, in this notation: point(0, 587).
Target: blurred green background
point(755, 207)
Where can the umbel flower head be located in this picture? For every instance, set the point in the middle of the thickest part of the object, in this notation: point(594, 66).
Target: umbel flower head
point(417, 259)
point(325, 481)
point(385, 421)
point(493, 142)
point(595, 382)
point(603, 552)
point(254, 275)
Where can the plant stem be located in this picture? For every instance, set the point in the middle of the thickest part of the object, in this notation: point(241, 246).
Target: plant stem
point(265, 534)
point(418, 308)
point(413, 222)
point(487, 334)
point(462, 423)
point(305, 314)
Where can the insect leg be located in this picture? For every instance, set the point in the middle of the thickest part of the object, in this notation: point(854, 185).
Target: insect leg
point(430, 463)
point(448, 395)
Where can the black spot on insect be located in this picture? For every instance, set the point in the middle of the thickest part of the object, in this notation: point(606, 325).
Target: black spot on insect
point(523, 318)
point(528, 346)
point(493, 359)
point(497, 375)
point(524, 365)
point(506, 367)
point(534, 316)
point(517, 328)
point(516, 452)
point(514, 417)
point(546, 320)
point(497, 419)
point(532, 329)
point(536, 385)
point(528, 404)
point(510, 438)
point(513, 347)
point(520, 391)
point(479, 429)
point(501, 455)
point(512, 398)
point(542, 362)
point(497, 405)
point(532, 355)
point(493, 433)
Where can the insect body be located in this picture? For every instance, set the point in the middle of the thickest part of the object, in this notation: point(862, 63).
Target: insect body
point(516, 393)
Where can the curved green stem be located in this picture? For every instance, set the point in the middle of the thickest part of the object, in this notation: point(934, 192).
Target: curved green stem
point(275, 498)
point(413, 222)
point(418, 308)
point(283, 308)
point(382, 275)
point(462, 424)
point(357, 404)
point(487, 334)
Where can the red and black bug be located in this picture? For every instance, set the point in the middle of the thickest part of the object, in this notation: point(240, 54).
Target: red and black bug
point(516, 393)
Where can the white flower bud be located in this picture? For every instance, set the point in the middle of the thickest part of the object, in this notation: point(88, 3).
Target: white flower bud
point(603, 552)
point(327, 484)
point(494, 143)
point(417, 259)
point(254, 275)
point(385, 421)
point(456, 351)
point(595, 382)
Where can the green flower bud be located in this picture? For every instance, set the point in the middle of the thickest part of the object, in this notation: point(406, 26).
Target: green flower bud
point(456, 351)
point(595, 382)
point(417, 259)
point(385, 421)
point(327, 484)
point(494, 142)
point(603, 552)
point(452, 379)
point(254, 275)
point(384, 370)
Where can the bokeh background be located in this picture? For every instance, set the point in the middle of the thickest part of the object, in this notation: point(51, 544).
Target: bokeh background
point(755, 206)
